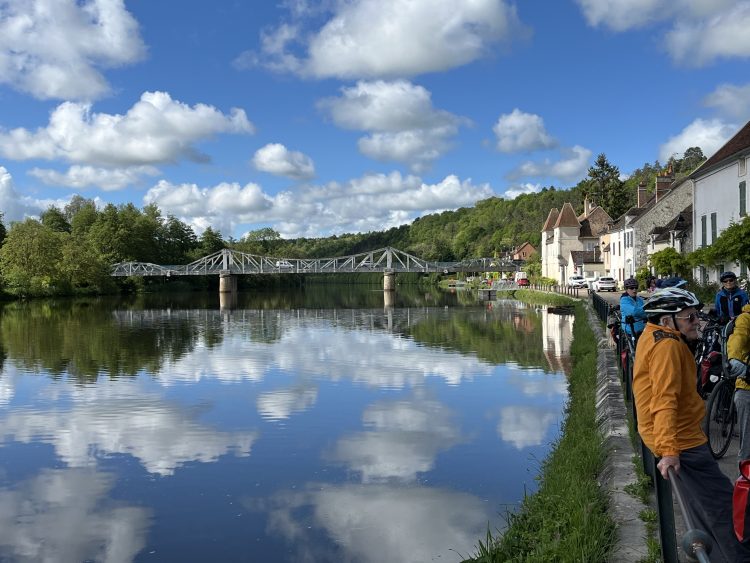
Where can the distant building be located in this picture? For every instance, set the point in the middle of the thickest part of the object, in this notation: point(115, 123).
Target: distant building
point(564, 232)
point(629, 239)
point(523, 252)
point(720, 198)
point(676, 234)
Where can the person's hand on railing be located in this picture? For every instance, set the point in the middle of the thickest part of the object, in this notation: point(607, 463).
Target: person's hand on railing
point(666, 462)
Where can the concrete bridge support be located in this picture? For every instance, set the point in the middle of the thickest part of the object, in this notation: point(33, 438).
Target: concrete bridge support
point(389, 281)
point(227, 282)
point(389, 299)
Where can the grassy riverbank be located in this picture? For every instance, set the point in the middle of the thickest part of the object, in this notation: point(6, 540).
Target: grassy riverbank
point(567, 518)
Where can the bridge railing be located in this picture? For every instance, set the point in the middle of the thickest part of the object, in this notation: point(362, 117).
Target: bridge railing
point(231, 261)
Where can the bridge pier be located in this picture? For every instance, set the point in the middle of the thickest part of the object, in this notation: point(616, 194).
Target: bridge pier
point(389, 281)
point(227, 282)
point(389, 299)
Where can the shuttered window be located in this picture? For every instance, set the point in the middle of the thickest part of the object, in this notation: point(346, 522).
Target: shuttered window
point(743, 199)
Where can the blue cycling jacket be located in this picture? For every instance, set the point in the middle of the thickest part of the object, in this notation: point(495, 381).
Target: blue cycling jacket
point(632, 306)
point(729, 305)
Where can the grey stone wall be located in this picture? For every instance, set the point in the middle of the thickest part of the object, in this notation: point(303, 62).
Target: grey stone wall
point(659, 215)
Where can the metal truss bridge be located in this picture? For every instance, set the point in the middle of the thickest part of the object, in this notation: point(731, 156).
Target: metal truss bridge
point(385, 260)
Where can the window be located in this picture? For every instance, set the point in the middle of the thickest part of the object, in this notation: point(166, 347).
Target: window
point(703, 230)
point(742, 170)
point(743, 199)
point(713, 228)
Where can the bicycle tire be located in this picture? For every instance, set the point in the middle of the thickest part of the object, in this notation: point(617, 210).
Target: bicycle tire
point(720, 418)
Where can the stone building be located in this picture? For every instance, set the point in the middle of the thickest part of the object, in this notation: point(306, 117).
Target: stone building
point(565, 232)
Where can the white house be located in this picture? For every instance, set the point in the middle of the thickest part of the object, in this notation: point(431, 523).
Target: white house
point(720, 198)
point(564, 232)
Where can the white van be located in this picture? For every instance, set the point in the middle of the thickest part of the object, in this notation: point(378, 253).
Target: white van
point(520, 276)
point(284, 265)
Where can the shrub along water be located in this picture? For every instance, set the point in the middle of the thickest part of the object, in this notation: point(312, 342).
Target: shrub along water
point(567, 518)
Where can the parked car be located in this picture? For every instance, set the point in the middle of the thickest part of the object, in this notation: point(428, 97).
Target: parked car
point(522, 282)
point(605, 284)
point(577, 282)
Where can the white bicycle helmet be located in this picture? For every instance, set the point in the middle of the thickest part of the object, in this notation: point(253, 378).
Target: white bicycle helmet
point(670, 300)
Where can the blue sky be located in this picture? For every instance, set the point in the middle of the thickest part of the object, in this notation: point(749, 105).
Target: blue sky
point(319, 118)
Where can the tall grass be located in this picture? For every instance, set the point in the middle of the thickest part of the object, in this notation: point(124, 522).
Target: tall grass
point(567, 518)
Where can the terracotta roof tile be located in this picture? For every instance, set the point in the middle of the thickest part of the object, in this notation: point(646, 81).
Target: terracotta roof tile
point(567, 217)
point(549, 224)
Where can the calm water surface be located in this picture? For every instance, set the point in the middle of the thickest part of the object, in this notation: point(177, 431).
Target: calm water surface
point(310, 426)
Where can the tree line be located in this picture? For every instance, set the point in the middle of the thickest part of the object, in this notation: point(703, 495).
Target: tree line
point(70, 250)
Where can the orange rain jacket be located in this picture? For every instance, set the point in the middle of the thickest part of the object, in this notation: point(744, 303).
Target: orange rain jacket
point(670, 411)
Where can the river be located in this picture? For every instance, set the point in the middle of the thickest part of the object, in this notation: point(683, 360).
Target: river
point(307, 426)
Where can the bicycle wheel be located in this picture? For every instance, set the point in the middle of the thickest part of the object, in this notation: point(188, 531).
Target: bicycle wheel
point(720, 418)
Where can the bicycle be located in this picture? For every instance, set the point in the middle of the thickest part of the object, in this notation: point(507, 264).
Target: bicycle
point(708, 356)
point(721, 416)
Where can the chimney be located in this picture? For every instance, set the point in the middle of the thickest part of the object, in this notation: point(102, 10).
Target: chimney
point(642, 194)
point(664, 182)
point(586, 205)
point(662, 186)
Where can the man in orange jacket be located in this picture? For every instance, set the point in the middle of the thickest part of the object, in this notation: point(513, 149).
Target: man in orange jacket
point(670, 416)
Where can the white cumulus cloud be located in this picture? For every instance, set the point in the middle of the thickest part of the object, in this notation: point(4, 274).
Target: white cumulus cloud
point(402, 123)
point(519, 131)
point(16, 207)
point(701, 30)
point(389, 38)
point(371, 202)
point(55, 49)
point(731, 100)
point(572, 166)
point(708, 134)
point(275, 158)
point(82, 177)
point(157, 129)
point(526, 188)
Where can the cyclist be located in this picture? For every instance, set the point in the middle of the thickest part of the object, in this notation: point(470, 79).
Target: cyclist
point(738, 353)
point(730, 299)
point(631, 305)
point(670, 416)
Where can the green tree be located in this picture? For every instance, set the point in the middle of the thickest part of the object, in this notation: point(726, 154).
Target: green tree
point(691, 159)
point(670, 262)
point(80, 213)
point(3, 231)
point(55, 219)
point(209, 242)
point(30, 259)
point(533, 266)
point(733, 244)
point(607, 189)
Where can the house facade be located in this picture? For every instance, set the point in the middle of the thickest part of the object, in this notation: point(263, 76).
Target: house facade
point(564, 232)
point(720, 198)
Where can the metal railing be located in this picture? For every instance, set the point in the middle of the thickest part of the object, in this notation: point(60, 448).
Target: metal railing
point(695, 542)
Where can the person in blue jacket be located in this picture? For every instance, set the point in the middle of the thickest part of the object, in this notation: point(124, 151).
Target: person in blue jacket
point(631, 305)
point(730, 299)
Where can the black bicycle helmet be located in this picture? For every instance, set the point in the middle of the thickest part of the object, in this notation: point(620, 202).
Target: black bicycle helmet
point(675, 281)
point(670, 300)
point(631, 283)
point(726, 276)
